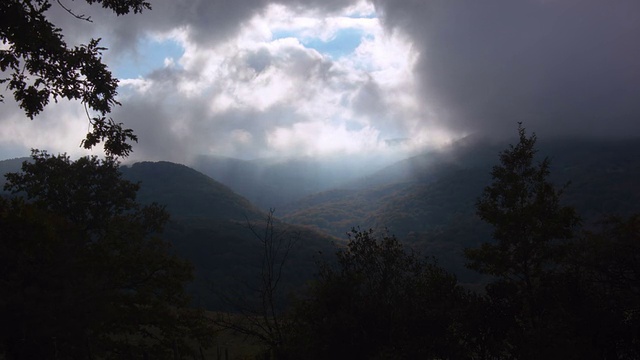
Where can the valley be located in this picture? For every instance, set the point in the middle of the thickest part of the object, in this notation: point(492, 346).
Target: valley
point(427, 201)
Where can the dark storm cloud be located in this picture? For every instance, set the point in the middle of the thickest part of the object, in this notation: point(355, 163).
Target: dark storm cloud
point(562, 67)
point(208, 21)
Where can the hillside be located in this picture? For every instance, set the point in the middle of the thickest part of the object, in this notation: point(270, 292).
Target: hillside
point(429, 199)
point(10, 165)
point(188, 193)
point(272, 183)
point(430, 188)
point(209, 226)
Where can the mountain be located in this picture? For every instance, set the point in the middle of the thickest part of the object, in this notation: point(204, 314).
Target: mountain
point(428, 201)
point(188, 193)
point(433, 186)
point(271, 183)
point(408, 196)
point(10, 165)
point(210, 226)
point(466, 152)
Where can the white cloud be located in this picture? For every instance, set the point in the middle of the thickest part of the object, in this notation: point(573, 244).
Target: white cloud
point(259, 69)
point(273, 87)
point(60, 128)
point(139, 85)
point(315, 138)
point(246, 78)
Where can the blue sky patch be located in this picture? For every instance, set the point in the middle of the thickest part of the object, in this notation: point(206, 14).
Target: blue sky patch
point(370, 15)
point(150, 55)
point(344, 42)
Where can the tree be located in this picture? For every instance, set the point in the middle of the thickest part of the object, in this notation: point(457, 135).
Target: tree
point(531, 232)
point(524, 208)
point(258, 312)
point(606, 262)
point(40, 66)
point(89, 191)
point(85, 271)
point(380, 301)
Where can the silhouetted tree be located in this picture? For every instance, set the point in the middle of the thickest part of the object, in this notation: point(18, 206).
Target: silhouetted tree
point(606, 263)
point(257, 311)
point(532, 230)
point(38, 66)
point(380, 301)
point(85, 273)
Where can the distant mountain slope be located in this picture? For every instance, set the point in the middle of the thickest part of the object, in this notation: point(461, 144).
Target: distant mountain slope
point(209, 226)
point(10, 165)
point(604, 176)
point(187, 193)
point(470, 151)
point(427, 201)
point(271, 183)
point(432, 206)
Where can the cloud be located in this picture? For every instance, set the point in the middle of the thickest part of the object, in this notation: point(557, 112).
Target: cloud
point(266, 92)
point(59, 128)
point(251, 79)
point(562, 67)
point(321, 138)
point(255, 78)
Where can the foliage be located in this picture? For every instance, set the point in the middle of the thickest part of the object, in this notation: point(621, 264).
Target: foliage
point(553, 295)
point(531, 232)
point(613, 256)
point(209, 227)
point(88, 191)
point(39, 66)
point(524, 209)
point(434, 211)
point(379, 301)
point(606, 262)
point(258, 314)
point(86, 273)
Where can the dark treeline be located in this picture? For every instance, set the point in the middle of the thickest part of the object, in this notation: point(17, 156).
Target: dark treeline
point(84, 274)
point(552, 291)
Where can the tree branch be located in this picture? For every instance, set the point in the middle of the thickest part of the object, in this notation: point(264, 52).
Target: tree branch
point(79, 17)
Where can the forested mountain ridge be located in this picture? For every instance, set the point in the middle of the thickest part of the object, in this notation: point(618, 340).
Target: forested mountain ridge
point(272, 183)
point(428, 201)
point(209, 226)
point(433, 188)
point(10, 165)
point(188, 193)
point(435, 212)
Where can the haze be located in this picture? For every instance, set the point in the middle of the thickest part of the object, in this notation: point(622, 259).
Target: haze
point(385, 79)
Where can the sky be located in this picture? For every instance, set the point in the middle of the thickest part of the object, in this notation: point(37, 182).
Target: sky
point(262, 79)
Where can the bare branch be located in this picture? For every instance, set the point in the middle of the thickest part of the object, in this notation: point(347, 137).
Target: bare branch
point(77, 16)
point(262, 319)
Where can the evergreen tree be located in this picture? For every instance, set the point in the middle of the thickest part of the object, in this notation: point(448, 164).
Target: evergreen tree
point(531, 231)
